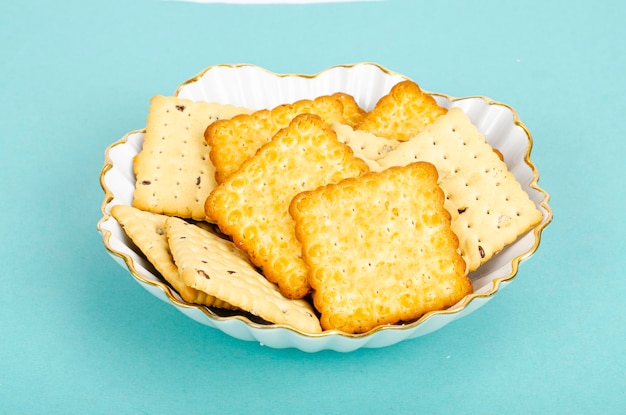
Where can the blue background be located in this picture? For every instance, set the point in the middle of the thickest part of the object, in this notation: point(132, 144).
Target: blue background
point(78, 335)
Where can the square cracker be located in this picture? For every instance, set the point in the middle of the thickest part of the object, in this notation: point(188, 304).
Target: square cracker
point(489, 208)
point(379, 248)
point(402, 113)
point(252, 204)
point(212, 265)
point(235, 140)
point(174, 174)
point(147, 231)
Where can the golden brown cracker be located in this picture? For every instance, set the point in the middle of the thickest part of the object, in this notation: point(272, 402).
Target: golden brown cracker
point(489, 207)
point(379, 248)
point(252, 204)
point(235, 140)
point(174, 174)
point(402, 113)
point(352, 113)
point(147, 231)
point(213, 265)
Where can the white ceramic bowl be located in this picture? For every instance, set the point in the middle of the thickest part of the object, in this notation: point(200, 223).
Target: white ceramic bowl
point(256, 88)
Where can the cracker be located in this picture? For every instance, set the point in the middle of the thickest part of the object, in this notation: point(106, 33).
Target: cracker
point(147, 231)
point(173, 171)
point(379, 248)
point(352, 112)
point(252, 204)
point(402, 113)
point(235, 140)
point(212, 265)
point(489, 208)
point(365, 145)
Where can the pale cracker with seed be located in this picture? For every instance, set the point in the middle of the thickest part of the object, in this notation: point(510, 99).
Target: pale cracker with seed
point(401, 113)
point(237, 139)
point(489, 208)
point(147, 231)
point(174, 174)
point(379, 248)
point(252, 204)
point(365, 145)
point(212, 265)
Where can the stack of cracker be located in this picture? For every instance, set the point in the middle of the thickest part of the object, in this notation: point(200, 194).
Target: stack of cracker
point(489, 208)
point(329, 217)
point(235, 140)
point(252, 204)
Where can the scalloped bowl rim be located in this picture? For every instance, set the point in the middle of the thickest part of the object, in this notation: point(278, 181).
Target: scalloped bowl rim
point(281, 336)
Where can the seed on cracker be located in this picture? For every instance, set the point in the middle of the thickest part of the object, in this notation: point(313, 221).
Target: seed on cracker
point(379, 248)
point(174, 174)
point(235, 140)
point(147, 231)
point(212, 265)
point(402, 113)
point(252, 204)
point(489, 208)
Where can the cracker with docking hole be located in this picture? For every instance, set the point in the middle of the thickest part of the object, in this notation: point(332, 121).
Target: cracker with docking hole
point(212, 265)
point(147, 231)
point(402, 113)
point(252, 204)
point(174, 174)
point(489, 208)
point(379, 248)
point(237, 139)
point(365, 145)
